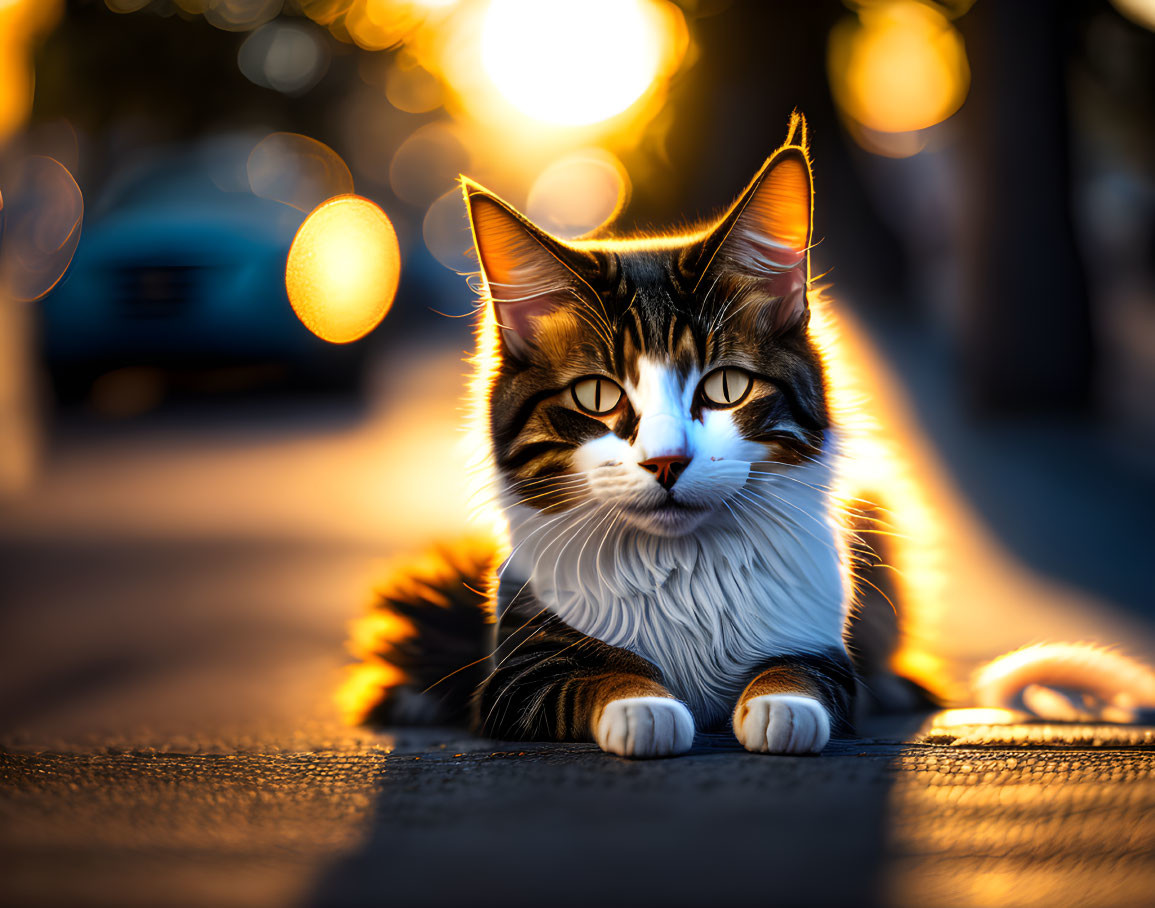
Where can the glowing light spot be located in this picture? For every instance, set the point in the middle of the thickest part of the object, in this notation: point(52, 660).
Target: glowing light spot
point(1141, 12)
point(428, 163)
point(578, 193)
point(288, 58)
point(900, 67)
point(296, 170)
point(572, 62)
point(343, 269)
point(126, 393)
point(240, 15)
point(447, 235)
point(380, 24)
point(126, 6)
point(22, 24)
point(412, 88)
point(41, 227)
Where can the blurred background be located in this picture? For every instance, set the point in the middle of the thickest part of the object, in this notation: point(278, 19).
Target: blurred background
point(200, 463)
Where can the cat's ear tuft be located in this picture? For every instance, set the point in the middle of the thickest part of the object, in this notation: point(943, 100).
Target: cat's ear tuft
point(525, 278)
point(797, 133)
point(765, 237)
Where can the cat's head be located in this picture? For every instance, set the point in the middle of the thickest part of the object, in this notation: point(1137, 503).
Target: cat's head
point(654, 375)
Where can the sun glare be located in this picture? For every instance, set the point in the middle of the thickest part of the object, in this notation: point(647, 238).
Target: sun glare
point(343, 269)
point(572, 62)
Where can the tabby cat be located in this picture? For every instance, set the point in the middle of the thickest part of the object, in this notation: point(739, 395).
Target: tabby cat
point(663, 450)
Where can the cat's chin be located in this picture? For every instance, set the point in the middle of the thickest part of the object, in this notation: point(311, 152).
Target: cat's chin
point(667, 519)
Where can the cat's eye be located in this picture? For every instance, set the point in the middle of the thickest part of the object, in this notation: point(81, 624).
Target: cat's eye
point(596, 395)
point(726, 387)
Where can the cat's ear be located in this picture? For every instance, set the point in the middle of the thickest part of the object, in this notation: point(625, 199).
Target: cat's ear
point(765, 237)
point(524, 274)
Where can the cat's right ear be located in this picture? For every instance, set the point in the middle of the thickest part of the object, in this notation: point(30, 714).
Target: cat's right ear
point(765, 237)
point(524, 275)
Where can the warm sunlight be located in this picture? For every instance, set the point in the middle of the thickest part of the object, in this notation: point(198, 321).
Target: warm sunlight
point(343, 269)
point(572, 63)
point(22, 22)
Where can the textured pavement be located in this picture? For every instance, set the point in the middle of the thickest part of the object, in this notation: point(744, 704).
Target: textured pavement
point(462, 822)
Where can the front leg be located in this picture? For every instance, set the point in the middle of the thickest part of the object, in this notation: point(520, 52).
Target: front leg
point(794, 702)
point(553, 683)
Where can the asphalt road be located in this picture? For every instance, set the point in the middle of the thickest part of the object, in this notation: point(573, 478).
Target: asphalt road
point(868, 823)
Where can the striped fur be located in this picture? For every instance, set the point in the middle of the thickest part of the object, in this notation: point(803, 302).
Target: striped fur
point(624, 588)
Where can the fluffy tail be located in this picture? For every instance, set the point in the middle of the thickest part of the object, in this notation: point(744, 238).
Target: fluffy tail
point(1073, 682)
point(423, 646)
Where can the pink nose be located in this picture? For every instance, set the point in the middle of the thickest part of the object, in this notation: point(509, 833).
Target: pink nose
point(666, 469)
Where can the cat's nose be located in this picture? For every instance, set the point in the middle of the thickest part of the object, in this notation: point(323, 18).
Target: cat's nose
point(666, 469)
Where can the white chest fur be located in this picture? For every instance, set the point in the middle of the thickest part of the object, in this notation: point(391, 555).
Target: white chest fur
point(706, 608)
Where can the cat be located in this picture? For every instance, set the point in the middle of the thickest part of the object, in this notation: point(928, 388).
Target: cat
point(664, 445)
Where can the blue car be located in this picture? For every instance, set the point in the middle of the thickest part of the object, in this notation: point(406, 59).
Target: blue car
point(174, 273)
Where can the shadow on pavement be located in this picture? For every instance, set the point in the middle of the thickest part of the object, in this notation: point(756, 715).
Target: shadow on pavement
point(567, 825)
point(1030, 818)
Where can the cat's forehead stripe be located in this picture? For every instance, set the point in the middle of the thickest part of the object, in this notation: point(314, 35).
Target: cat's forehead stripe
point(665, 334)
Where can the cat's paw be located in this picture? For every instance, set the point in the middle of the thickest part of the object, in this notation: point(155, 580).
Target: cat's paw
point(782, 724)
point(645, 727)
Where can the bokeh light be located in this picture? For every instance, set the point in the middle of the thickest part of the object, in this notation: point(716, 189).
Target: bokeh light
point(428, 163)
point(42, 214)
point(520, 83)
point(126, 6)
point(286, 57)
point(572, 63)
point(579, 192)
point(343, 269)
point(296, 170)
point(22, 22)
point(238, 15)
point(899, 67)
point(1141, 12)
point(446, 232)
point(381, 24)
point(410, 87)
point(227, 15)
point(127, 392)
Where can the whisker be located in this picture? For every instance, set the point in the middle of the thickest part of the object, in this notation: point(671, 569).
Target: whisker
point(766, 507)
point(552, 521)
point(760, 492)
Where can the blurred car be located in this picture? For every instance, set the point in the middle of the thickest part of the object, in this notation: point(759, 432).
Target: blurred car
point(177, 274)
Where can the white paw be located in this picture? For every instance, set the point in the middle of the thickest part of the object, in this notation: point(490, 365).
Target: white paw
point(645, 727)
point(782, 724)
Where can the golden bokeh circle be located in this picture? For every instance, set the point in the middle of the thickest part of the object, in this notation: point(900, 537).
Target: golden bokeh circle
point(343, 269)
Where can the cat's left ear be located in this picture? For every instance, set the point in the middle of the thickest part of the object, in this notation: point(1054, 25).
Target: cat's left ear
point(765, 237)
point(523, 267)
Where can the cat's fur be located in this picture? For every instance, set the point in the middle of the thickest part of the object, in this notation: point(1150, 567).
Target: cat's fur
point(679, 562)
